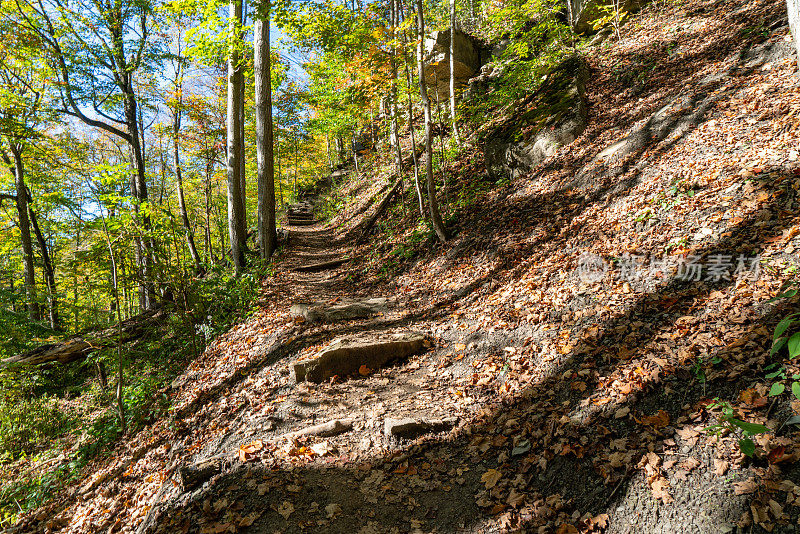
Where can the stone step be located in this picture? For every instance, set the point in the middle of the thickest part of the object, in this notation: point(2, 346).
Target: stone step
point(411, 427)
point(303, 222)
point(322, 266)
point(323, 430)
point(345, 356)
point(323, 312)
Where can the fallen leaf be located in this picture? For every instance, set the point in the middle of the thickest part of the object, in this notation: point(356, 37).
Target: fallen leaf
point(745, 487)
point(248, 452)
point(332, 510)
point(660, 488)
point(286, 509)
point(491, 477)
point(658, 420)
point(720, 467)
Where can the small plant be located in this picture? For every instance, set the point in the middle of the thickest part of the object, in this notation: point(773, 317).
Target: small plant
point(726, 422)
point(674, 194)
point(784, 334)
point(699, 369)
point(676, 243)
point(644, 215)
point(778, 372)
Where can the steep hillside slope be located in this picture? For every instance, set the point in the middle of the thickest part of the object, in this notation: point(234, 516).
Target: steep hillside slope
point(578, 325)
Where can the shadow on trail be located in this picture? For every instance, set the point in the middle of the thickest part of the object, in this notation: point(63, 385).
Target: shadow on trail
point(433, 485)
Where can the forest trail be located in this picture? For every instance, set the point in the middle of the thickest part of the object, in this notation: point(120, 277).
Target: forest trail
point(292, 482)
point(577, 404)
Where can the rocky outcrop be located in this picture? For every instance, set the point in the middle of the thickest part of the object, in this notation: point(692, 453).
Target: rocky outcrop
point(586, 13)
point(552, 117)
point(793, 9)
point(481, 84)
point(437, 61)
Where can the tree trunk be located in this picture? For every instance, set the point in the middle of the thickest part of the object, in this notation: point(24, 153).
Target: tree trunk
point(235, 142)
point(207, 195)
point(29, 275)
point(412, 133)
point(139, 193)
point(456, 136)
point(176, 127)
point(433, 206)
point(296, 150)
point(267, 238)
point(49, 272)
point(395, 137)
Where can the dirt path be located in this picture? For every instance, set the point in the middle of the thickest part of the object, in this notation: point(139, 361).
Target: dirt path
point(329, 482)
point(580, 407)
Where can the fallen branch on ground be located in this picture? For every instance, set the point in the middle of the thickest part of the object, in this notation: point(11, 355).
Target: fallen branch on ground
point(78, 347)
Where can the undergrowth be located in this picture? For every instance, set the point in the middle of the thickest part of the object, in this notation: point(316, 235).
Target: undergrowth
point(54, 420)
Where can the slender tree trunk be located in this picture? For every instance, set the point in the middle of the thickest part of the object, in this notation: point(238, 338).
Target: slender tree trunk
point(29, 275)
point(328, 151)
point(433, 206)
point(235, 142)
point(277, 143)
point(395, 136)
point(139, 192)
point(242, 154)
point(296, 150)
point(120, 373)
point(267, 238)
point(207, 195)
point(456, 135)
point(412, 133)
point(49, 272)
point(176, 127)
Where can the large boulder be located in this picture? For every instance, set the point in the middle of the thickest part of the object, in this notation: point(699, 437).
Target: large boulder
point(552, 117)
point(586, 13)
point(437, 61)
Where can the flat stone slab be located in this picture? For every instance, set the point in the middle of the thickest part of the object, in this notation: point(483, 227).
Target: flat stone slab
point(410, 428)
point(321, 312)
point(345, 356)
point(302, 222)
point(322, 266)
point(324, 430)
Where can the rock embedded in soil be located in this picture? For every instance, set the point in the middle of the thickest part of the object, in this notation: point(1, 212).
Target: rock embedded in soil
point(322, 266)
point(346, 356)
point(414, 427)
point(324, 430)
point(193, 475)
point(321, 312)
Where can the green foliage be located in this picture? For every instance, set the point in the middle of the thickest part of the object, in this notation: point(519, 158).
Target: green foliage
point(613, 14)
point(221, 298)
point(27, 424)
point(678, 191)
point(539, 42)
point(17, 332)
point(726, 422)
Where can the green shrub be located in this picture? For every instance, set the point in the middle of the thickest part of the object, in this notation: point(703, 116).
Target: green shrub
point(28, 424)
